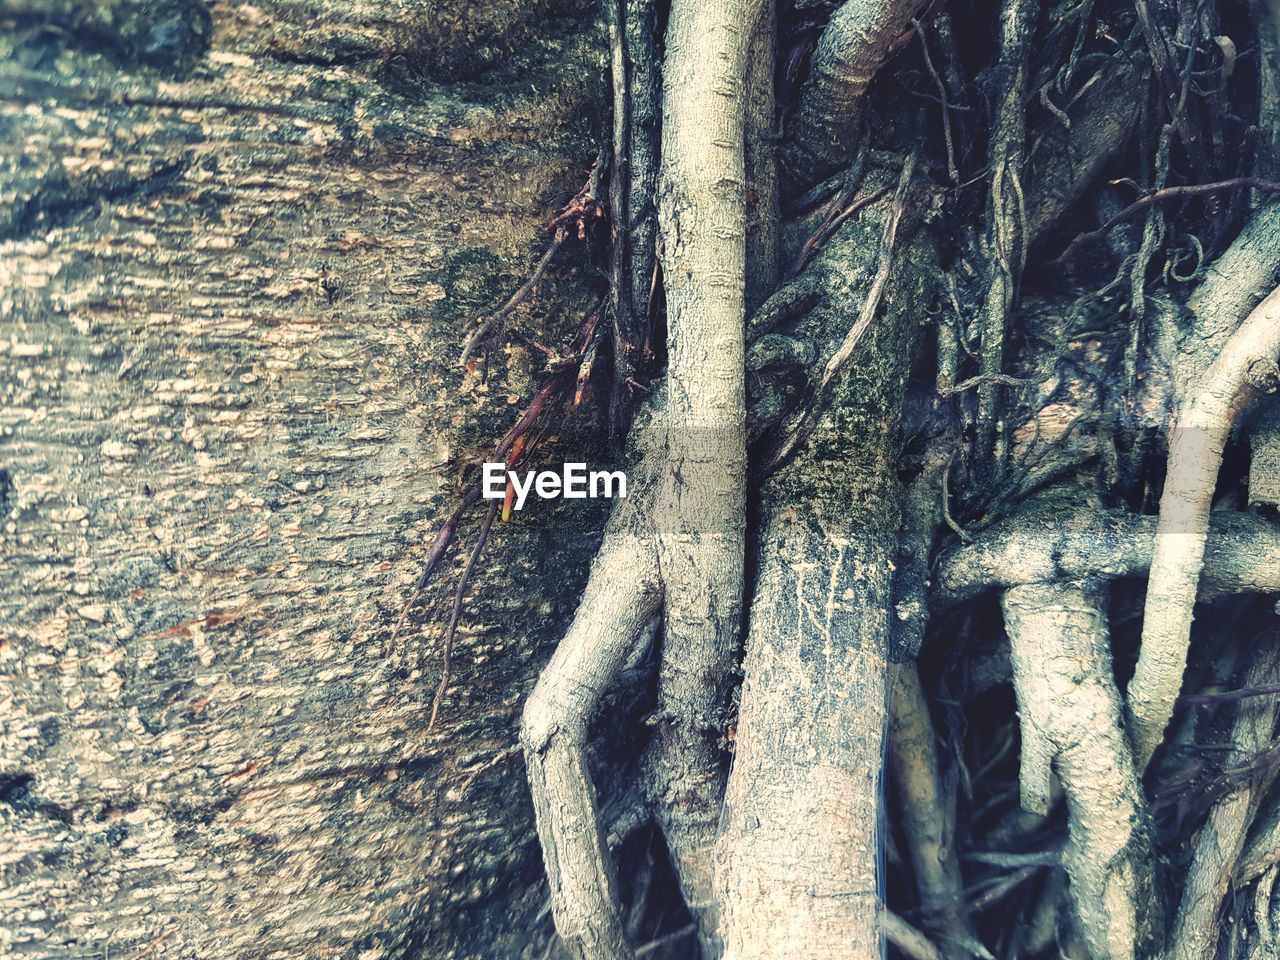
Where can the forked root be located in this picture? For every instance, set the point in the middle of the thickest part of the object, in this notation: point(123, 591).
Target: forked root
point(622, 594)
point(1071, 722)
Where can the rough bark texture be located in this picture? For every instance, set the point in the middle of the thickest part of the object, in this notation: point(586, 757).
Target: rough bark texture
point(233, 293)
point(797, 858)
point(701, 520)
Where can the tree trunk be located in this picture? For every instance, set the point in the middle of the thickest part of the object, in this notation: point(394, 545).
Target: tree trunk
point(236, 282)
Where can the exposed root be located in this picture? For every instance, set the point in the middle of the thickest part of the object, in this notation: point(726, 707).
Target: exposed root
point(927, 819)
point(1245, 369)
point(622, 594)
point(702, 514)
point(1220, 841)
point(1057, 539)
point(797, 868)
point(1007, 214)
point(1161, 196)
point(633, 226)
point(825, 128)
point(456, 613)
point(1071, 722)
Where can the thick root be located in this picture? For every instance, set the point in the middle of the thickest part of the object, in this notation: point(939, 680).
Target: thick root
point(702, 518)
point(798, 854)
point(797, 864)
point(824, 131)
point(1063, 539)
point(1245, 369)
point(622, 596)
point(1071, 722)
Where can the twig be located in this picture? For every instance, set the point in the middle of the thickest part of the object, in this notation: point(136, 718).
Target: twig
point(457, 612)
point(960, 531)
point(952, 170)
point(1002, 886)
point(1001, 378)
point(1159, 196)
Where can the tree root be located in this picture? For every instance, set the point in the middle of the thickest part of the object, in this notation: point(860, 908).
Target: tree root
point(927, 819)
point(622, 594)
point(1071, 722)
point(1007, 235)
point(1245, 369)
point(856, 41)
point(702, 518)
point(1221, 840)
point(1062, 539)
point(797, 859)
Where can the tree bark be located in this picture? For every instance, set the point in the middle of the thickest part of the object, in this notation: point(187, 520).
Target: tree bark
point(234, 292)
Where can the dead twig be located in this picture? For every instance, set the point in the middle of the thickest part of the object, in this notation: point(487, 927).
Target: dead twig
point(456, 614)
point(584, 207)
point(1160, 196)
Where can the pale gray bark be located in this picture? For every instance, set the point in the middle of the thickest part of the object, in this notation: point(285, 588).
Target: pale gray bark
point(702, 517)
point(623, 593)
